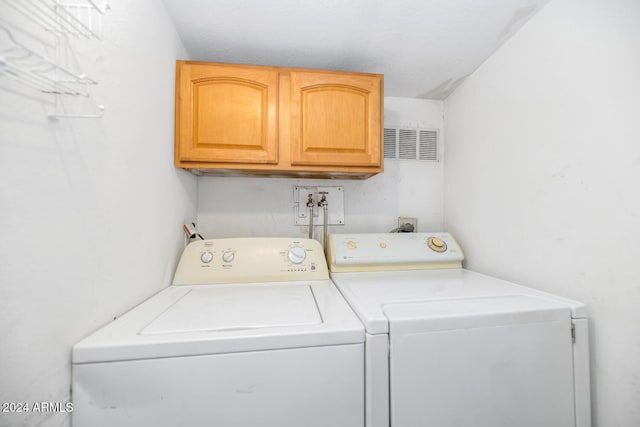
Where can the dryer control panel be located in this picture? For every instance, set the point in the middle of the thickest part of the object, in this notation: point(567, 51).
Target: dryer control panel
point(249, 260)
point(393, 251)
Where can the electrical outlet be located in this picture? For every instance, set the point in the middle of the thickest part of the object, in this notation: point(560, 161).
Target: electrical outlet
point(408, 220)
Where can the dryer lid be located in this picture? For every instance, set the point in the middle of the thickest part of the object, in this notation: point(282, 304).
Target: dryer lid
point(471, 313)
point(370, 292)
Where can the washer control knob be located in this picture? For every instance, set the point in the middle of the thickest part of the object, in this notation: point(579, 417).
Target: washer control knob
point(228, 256)
point(437, 244)
point(351, 244)
point(206, 257)
point(297, 254)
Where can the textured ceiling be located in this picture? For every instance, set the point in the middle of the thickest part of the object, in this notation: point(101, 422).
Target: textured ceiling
point(425, 48)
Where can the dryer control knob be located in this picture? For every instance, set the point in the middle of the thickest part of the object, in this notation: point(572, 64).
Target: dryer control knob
point(437, 244)
point(206, 257)
point(297, 254)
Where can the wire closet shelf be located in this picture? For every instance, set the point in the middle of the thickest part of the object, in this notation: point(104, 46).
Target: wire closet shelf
point(24, 61)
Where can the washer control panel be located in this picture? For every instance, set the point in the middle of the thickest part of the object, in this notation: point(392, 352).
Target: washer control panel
point(249, 260)
point(393, 251)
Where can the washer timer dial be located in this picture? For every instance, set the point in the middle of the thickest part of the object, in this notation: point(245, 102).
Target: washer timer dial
point(297, 254)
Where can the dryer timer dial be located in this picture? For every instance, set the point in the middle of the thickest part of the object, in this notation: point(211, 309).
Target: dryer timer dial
point(437, 244)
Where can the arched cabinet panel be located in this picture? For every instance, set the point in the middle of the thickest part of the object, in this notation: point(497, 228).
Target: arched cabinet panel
point(335, 120)
point(227, 114)
point(270, 121)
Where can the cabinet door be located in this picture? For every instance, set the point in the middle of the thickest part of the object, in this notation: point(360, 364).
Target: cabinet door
point(226, 113)
point(335, 119)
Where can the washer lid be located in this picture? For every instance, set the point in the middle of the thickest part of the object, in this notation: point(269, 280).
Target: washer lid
point(227, 308)
point(211, 319)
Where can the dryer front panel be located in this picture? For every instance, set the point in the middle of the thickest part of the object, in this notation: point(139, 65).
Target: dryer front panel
point(481, 363)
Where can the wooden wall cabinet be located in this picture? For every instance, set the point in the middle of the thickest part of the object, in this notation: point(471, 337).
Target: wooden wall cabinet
point(272, 121)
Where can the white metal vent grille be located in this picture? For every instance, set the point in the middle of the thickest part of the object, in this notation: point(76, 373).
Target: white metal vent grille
point(407, 144)
point(411, 144)
point(428, 145)
point(390, 146)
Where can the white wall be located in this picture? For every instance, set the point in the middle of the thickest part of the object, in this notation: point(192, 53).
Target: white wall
point(542, 177)
point(234, 207)
point(91, 210)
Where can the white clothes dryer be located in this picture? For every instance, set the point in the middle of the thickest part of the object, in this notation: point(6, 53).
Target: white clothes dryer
point(449, 347)
point(251, 333)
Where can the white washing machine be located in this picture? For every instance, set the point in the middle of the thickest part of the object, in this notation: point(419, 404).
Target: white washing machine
point(252, 333)
point(449, 347)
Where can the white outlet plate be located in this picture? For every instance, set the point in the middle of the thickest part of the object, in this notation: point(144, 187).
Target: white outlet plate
point(335, 204)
